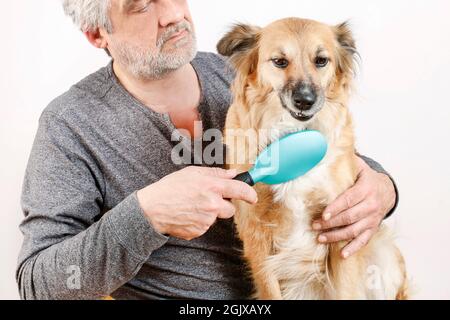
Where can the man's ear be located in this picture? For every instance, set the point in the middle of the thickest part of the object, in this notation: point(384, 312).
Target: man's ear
point(240, 44)
point(97, 38)
point(346, 54)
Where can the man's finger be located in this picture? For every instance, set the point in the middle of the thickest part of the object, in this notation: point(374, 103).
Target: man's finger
point(357, 244)
point(345, 234)
point(228, 210)
point(216, 172)
point(345, 218)
point(345, 201)
point(238, 190)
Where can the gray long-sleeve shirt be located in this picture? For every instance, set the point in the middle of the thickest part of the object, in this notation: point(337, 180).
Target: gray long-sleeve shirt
point(85, 235)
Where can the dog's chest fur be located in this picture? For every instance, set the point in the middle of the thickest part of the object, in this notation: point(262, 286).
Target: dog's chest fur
point(298, 260)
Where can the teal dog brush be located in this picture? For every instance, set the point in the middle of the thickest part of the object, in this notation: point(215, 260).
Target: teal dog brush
point(287, 159)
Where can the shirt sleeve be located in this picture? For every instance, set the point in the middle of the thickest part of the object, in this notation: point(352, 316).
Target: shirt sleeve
point(378, 168)
point(67, 252)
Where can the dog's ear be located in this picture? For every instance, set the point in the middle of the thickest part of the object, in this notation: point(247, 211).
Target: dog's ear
point(239, 39)
point(345, 37)
point(239, 42)
point(347, 53)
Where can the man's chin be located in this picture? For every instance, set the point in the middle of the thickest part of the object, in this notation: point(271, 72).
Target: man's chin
point(155, 66)
point(183, 48)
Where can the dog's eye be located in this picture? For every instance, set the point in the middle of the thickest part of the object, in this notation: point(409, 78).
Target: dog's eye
point(321, 62)
point(280, 63)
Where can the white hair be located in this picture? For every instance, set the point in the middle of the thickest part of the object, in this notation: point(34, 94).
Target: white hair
point(89, 15)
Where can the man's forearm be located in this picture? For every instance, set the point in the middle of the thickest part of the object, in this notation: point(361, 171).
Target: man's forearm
point(95, 262)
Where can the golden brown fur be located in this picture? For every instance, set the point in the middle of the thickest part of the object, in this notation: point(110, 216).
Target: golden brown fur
point(285, 259)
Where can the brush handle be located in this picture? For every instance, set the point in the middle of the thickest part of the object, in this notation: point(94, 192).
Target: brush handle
point(245, 177)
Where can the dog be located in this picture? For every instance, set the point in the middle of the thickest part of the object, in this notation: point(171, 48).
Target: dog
point(296, 74)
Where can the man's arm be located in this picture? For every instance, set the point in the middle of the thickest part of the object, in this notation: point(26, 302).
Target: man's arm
point(65, 253)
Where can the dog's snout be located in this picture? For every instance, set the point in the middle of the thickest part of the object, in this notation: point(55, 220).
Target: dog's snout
point(304, 97)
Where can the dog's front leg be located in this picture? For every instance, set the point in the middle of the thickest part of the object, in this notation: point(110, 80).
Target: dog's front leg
point(268, 287)
point(258, 246)
point(266, 284)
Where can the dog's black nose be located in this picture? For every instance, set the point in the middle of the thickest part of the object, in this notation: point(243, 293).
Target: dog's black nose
point(304, 97)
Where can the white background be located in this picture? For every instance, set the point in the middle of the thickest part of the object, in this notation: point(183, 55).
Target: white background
point(401, 110)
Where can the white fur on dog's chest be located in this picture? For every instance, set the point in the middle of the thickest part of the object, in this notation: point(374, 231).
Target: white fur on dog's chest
point(294, 253)
point(293, 194)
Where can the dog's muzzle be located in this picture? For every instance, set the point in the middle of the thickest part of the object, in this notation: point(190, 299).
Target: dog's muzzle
point(302, 101)
point(304, 97)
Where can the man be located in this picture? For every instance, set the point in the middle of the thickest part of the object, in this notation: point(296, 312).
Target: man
point(107, 211)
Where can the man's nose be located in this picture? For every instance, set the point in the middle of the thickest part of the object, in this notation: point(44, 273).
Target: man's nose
point(170, 12)
point(304, 97)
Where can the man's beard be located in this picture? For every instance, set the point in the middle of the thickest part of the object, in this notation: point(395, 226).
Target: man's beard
point(154, 64)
